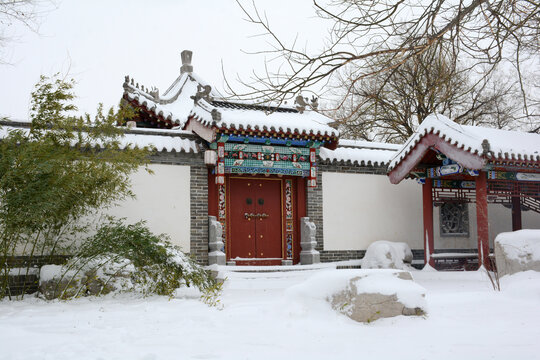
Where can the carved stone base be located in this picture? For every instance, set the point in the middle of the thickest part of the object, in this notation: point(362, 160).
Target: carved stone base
point(312, 258)
point(216, 257)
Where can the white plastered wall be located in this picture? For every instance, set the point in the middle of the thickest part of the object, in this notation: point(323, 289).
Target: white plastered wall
point(361, 208)
point(162, 199)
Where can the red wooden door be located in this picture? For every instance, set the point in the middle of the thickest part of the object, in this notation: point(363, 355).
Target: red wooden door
point(255, 224)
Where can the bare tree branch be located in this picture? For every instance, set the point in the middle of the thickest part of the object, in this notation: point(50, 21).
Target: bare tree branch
point(480, 33)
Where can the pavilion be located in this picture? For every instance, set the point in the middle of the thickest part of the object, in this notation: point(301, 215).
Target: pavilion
point(470, 164)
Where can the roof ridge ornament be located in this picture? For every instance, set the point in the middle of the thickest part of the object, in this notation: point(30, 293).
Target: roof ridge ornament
point(125, 85)
point(203, 92)
point(302, 103)
point(216, 115)
point(186, 56)
point(154, 92)
point(486, 148)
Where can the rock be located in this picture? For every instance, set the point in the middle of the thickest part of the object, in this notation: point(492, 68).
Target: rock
point(517, 251)
point(374, 295)
point(387, 255)
point(96, 285)
point(58, 288)
point(59, 282)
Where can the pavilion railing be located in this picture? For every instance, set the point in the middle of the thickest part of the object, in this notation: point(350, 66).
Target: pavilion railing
point(499, 192)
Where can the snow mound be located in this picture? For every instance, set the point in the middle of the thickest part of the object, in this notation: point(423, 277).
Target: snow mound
point(523, 284)
point(517, 251)
point(387, 255)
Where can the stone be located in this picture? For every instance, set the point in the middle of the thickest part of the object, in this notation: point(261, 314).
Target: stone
point(69, 286)
point(387, 255)
point(55, 288)
point(215, 242)
point(360, 302)
point(517, 251)
point(95, 285)
point(308, 254)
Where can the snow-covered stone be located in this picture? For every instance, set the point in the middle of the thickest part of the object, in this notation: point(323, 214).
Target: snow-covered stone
point(517, 251)
point(363, 295)
point(374, 295)
point(95, 277)
point(387, 255)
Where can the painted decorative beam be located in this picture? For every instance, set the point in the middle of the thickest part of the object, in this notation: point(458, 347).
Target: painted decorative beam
point(501, 175)
point(450, 169)
point(273, 141)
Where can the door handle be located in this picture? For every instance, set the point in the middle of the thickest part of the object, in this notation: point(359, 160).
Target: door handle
point(252, 215)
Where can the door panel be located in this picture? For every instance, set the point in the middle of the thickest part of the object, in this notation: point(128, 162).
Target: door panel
point(255, 218)
point(268, 225)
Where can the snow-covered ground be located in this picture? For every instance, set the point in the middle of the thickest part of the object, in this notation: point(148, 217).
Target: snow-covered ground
point(261, 319)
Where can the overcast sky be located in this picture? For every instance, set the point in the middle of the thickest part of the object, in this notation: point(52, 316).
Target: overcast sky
point(98, 42)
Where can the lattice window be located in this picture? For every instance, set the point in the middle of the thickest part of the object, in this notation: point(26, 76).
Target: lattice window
point(454, 219)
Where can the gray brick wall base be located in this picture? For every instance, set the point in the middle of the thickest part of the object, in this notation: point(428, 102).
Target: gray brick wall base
point(341, 255)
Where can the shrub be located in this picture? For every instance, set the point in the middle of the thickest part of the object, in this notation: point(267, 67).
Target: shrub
point(59, 173)
point(123, 257)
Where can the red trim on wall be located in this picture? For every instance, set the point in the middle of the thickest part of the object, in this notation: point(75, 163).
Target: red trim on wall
point(300, 213)
point(516, 213)
point(427, 206)
point(212, 195)
point(482, 220)
point(301, 197)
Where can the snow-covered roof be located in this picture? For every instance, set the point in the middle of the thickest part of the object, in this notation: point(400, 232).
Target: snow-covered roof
point(359, 152)
point(185, 100)
point(492, 144)
point(174, 106)
point(249, 118)
point(165, 140)
point(161, 140)
point(369, 145)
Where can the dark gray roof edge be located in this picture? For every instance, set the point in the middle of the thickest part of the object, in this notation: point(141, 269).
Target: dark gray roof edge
point(16, 123)
point(355, 163)
point(136, 131)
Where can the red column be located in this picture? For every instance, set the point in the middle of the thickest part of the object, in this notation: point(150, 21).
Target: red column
point(516, 213)
point(482, 220)
point(427, 201)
